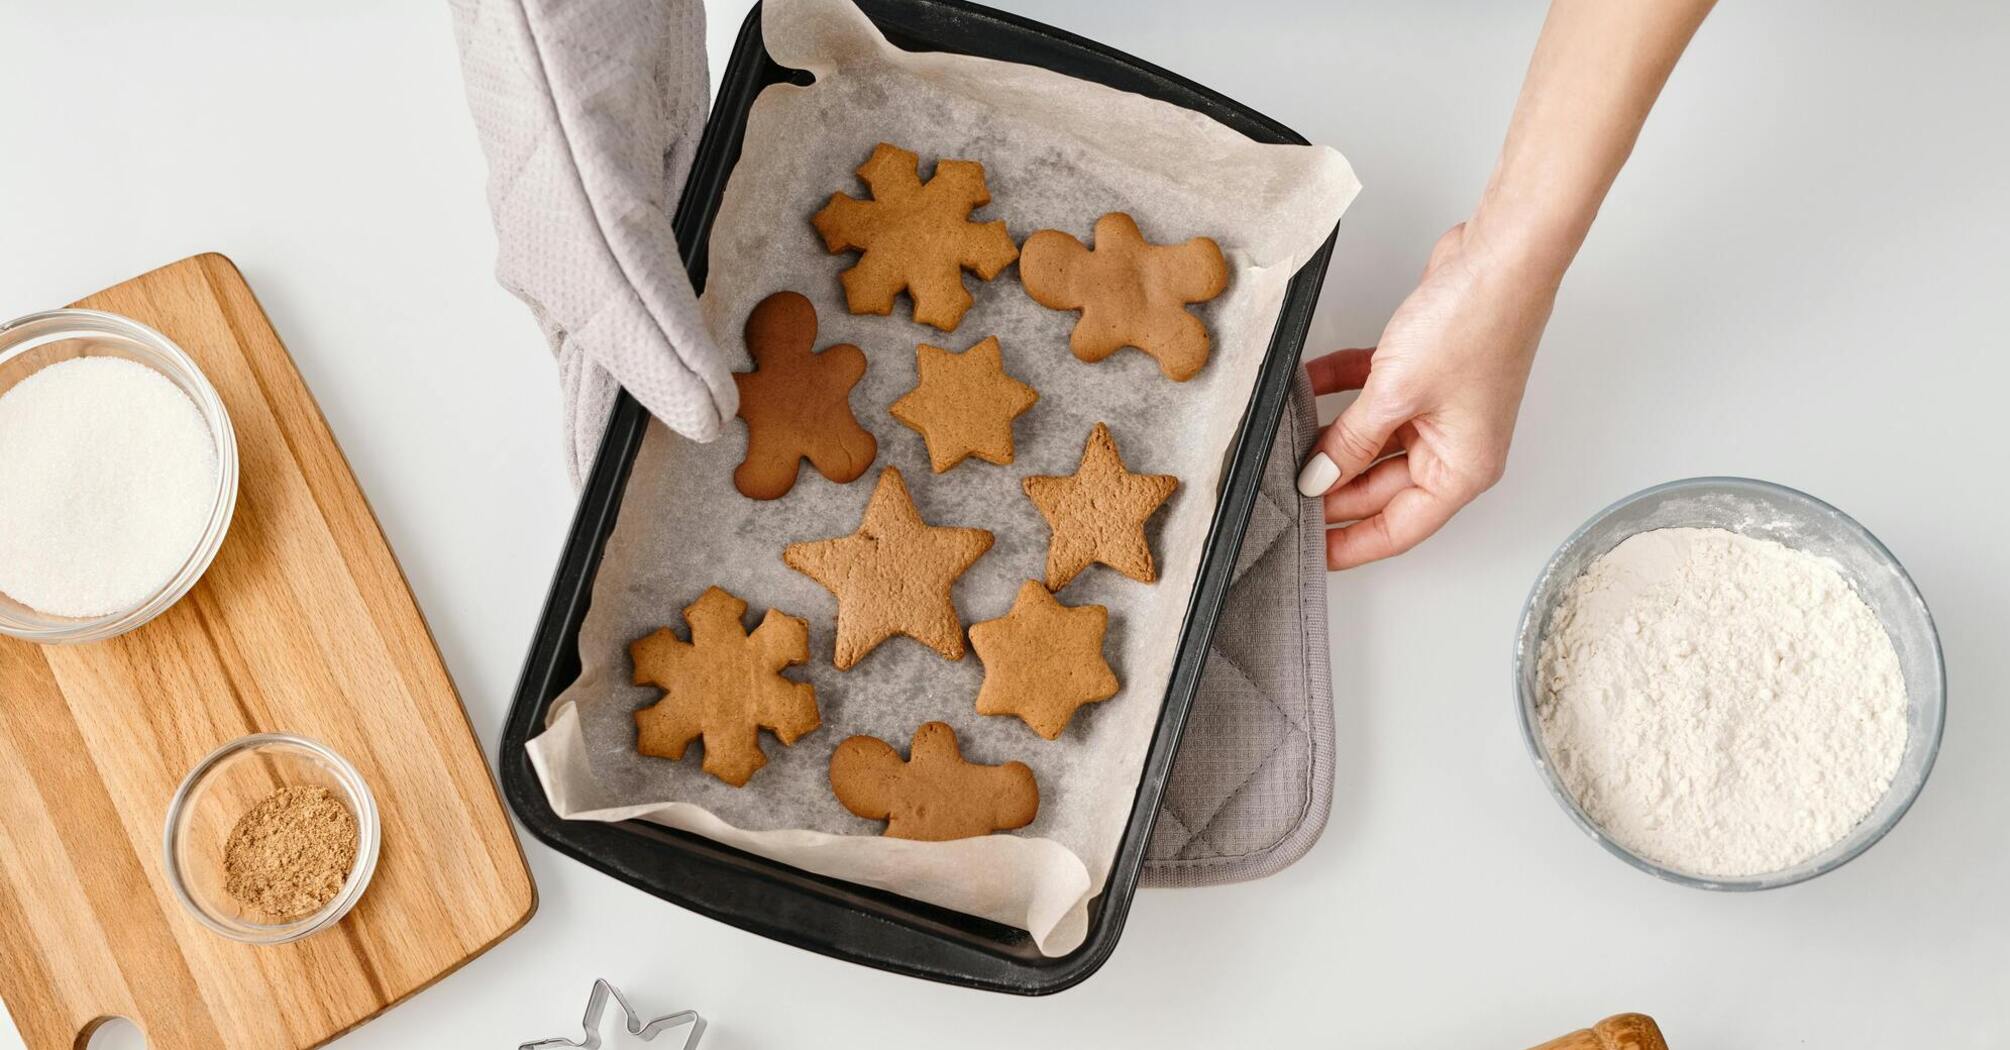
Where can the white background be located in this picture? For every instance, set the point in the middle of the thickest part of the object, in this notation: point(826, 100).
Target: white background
point(1801, 277)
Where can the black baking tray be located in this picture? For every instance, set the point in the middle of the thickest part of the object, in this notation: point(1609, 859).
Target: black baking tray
point(822, 914)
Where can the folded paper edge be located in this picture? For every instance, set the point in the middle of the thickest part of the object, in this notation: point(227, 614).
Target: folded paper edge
point(1053, 911)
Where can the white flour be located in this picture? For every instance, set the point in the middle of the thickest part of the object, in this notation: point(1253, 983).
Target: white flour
point(1719, 704)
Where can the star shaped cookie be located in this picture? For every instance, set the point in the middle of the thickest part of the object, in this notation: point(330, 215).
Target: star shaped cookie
point(1098, 513)
point(964, 404)
point(1043, 660)
point(893, 575)
point(915, 237)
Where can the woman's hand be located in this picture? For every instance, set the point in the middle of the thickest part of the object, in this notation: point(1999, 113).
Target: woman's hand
point(1438, 401)
point(1440, 394)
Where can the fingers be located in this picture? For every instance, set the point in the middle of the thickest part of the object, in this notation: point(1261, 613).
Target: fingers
point(1339, 370)
point(1365, 496)
point(1354, 440)
point(1410, 517)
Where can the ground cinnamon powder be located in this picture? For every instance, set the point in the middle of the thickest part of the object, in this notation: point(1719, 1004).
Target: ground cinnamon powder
point(287, 856)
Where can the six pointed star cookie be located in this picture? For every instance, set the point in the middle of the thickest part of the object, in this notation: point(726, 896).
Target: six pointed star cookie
point(724, 685)
point(1043, 660)
point(915, 237)
point(964, 404)
point(1130, 292)
point(893, 575)
point(1098, 513)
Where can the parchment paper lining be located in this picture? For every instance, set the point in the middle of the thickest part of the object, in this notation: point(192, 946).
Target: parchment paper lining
point(1058, 152)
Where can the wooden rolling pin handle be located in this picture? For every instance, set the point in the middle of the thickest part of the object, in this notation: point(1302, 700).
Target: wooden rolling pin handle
point(1618, 1032)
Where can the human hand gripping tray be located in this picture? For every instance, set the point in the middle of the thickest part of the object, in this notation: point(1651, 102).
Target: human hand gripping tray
point(1066, 133)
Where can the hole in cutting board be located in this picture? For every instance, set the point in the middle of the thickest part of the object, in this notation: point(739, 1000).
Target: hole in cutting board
point(111, 1033)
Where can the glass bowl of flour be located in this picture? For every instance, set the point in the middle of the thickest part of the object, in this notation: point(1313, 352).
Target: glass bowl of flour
point(118, 475)
point(1729, 684)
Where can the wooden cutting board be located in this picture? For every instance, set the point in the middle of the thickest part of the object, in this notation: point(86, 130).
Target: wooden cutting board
point(303, 624)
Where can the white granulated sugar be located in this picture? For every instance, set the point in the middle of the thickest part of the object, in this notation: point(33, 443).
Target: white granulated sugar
point(1722, 705)
point(107, 479)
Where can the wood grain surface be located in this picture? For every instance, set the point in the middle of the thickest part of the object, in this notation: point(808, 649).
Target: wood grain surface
point(303, 624)
point(1618, 1032)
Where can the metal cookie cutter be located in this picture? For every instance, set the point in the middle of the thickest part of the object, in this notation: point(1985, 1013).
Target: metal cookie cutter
point(596, 1007)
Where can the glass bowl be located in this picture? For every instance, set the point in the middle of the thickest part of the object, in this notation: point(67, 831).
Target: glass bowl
point(1794, 519)
point(32, 343)
point(219, 790)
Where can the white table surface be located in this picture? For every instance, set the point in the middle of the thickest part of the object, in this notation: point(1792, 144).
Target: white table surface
point(1801, 278)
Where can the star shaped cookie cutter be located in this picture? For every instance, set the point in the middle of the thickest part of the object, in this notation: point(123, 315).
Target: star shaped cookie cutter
point(596, 1006)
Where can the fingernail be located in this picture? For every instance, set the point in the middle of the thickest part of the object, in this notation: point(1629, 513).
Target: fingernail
point(1319, 474)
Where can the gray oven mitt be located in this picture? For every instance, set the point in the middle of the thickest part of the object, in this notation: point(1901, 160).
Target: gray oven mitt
point(1253, 780)
point(589, 114)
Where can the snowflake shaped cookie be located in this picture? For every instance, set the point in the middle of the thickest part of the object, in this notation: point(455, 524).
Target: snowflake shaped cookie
point(915, 237)
point(724, 685)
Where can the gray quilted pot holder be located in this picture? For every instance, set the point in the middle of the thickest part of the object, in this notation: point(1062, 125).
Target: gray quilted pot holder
point(1253, 780)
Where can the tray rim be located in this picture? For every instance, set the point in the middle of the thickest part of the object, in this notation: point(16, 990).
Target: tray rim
point(633, 851)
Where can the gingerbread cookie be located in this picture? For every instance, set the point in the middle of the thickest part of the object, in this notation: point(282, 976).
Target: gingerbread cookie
point(1130, 292)
point(936, 794)
point(964, 404)
point(724, 685)
point(1098, 513)
point(1043, 660)
point(797, 403)
point(915, 237)
point(893, 575)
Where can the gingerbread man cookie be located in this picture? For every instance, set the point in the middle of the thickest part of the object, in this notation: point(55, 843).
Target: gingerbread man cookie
point(1098, 513)
point(1130, 292)
point(964, 404)
point(797, 403)
point(724, 685)
point(892, 576)
point(936, 794)
point(915, 237)
point(1043, 660)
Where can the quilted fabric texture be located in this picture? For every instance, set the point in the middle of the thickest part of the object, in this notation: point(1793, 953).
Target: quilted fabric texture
point(589, 115)
point(1253, 781)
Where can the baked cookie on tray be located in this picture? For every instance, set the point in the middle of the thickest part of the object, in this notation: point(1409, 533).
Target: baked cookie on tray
point(915, 237)
point(1098, 513)
point(964, 404)
point(724, 686)
point(936, 794)
point(1130, 292)
point(797, 402)
point(1043, 660)
point(893, 575)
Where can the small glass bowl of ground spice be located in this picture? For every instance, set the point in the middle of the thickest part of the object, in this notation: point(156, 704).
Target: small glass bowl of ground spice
point(118, 475)
point(271, 838)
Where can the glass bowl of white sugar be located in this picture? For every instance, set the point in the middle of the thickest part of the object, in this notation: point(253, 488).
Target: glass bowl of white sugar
point(118, 475)
point(1729, 684)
